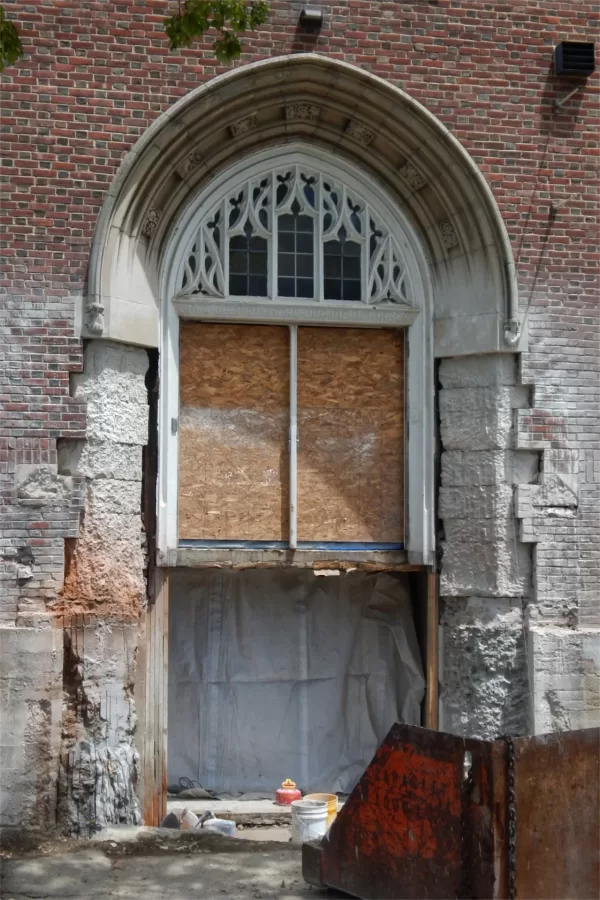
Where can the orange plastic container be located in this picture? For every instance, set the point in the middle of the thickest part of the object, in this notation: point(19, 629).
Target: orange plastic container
point(287, 793)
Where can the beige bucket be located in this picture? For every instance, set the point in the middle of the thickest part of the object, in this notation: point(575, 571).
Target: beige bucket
point(332, 805)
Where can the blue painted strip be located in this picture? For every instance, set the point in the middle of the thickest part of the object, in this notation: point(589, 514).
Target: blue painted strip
point(341, 545)
point(236, 545)
point(283, 545)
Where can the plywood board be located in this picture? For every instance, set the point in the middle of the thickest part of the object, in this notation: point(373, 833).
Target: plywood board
point(234, 420)
point(351, 435)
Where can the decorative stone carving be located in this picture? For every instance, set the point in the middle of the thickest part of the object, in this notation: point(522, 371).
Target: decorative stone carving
point(151, 221)
point(94, 318)
point(191, 161)
point(449, 236)
point(412, 176)
point(243, 126)
point(302, 112)
point(359, 133)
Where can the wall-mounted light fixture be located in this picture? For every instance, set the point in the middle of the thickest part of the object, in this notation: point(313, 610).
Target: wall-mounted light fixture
point(311, 17)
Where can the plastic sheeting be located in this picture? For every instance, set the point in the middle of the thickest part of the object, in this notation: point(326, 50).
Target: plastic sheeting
point(278, 674)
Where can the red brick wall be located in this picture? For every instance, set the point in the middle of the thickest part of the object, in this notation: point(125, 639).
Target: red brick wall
point(98, 73)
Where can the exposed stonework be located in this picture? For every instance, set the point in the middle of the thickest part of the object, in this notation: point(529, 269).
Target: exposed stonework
point(44, 508)
point(565, 678)
point(486, 691)
point(31, 695)
point(99, 762)
point(104, 581)
point(509, 502)
point(486, 577)
point(105, 568)
point(564, 619)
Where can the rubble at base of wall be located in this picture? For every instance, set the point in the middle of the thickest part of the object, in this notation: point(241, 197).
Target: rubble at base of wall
point(96, 788)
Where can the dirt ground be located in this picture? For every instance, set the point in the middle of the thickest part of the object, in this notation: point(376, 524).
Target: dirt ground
point(153, 865)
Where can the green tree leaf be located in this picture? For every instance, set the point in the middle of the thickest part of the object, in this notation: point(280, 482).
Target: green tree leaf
point(229, 18)
point(11, 48)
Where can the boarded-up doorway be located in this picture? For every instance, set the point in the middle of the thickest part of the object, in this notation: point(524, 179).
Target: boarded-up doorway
point(291, 436)
point(282, 673)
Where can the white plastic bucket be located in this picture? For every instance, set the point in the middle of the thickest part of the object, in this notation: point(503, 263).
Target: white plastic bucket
point(309, 820)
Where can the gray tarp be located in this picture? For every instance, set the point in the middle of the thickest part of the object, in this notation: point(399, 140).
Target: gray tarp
point(279, 674)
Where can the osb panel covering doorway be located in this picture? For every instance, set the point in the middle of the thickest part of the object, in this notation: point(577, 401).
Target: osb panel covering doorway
point(351, 435)
point(233, 447)
point(234, 462)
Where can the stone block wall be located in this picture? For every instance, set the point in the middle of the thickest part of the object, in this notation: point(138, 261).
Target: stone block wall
point(71, 607)
point(520, 640)
point(486, 572)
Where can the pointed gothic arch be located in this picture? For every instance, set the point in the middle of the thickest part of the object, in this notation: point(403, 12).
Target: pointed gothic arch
point(355, 115)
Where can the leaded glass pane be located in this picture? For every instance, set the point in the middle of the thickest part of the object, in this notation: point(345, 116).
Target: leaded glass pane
point(295, 257)
point(341, 265)
point(247, 266)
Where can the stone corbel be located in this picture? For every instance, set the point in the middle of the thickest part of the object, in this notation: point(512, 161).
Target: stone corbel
point(94, 318)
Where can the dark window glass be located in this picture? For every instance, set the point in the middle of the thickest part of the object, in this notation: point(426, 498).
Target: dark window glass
point(341, 263)
point(295, 255)
point(247, 265)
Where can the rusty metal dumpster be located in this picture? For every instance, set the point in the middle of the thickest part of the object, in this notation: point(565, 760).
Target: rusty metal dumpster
point(438, 816)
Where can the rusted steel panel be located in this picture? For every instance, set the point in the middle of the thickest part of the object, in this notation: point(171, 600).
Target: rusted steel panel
point(401, 834)
point(420, 824)
point(558, 815)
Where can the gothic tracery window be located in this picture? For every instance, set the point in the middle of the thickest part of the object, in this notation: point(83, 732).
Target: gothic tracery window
point(294, 233)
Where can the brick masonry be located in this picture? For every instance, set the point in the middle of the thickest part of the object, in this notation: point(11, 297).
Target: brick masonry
point(96, 75)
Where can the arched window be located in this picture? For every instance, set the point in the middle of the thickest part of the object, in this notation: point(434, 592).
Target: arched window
point(296, 384)
point(295, 233)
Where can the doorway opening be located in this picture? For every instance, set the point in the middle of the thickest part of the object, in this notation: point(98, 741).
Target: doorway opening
point(286, 673)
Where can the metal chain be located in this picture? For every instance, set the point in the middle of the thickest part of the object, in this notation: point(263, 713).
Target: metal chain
point(512, 820)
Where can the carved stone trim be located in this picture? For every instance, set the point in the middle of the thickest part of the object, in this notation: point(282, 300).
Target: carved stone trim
point(359, 133)
point(94, 318)
point(229, 310)
point(151, 221)
point(412, 176)
point(302, 112)
point(449, 235)
point(192, 161)
point(243, 126)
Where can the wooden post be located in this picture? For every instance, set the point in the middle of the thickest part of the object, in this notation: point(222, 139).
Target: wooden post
point(155, 730)
point(432, 697)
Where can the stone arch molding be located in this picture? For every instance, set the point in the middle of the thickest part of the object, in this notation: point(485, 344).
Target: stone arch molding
point(446, 208)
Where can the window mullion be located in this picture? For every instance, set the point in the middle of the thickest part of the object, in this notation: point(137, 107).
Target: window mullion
point(226, 247)
point(366, 257)
point(293, 441)
point(319, 275)
point(273, 293)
